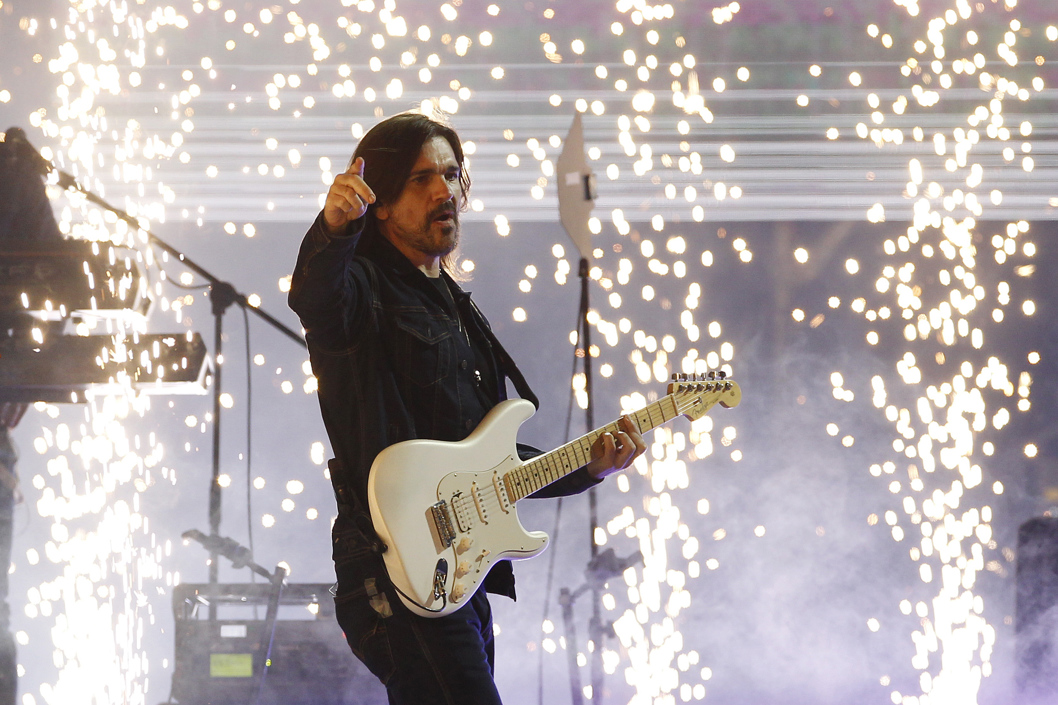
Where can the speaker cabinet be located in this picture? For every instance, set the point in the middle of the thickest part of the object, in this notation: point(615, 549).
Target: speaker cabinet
point(221, 636)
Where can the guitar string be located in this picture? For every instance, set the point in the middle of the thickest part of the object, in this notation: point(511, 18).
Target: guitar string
point(490, 501)
point(540, 471)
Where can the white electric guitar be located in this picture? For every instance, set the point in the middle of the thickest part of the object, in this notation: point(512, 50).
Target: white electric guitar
point(446, 511)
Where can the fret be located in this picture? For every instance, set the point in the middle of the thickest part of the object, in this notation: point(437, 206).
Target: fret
point(519, 480)
point(578, 454)
point(530, 483)
point(550, 467)
point(674, 411)
point(548, 462)
point(538, 482)
point(567, 463)
point(655, 420)
point(541, 471)
point(533, 479)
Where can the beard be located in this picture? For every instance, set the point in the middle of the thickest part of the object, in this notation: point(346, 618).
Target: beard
point(438, 234)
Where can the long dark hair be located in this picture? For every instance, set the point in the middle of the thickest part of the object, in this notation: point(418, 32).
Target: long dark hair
point(391, 148)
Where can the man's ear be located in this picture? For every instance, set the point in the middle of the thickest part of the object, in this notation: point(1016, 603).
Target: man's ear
point(381, 212)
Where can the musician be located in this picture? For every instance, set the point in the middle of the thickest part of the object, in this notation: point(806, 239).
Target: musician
point(26, 218)
point(401, 352)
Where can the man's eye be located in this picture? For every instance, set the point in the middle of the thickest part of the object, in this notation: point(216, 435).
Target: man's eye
point(452, 176)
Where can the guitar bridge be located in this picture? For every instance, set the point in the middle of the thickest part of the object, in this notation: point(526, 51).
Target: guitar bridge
point(443, 524)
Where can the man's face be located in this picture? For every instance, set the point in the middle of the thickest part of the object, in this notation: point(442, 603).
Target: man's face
point(423, 222)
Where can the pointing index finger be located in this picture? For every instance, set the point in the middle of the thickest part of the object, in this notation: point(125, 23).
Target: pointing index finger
point(362, 189)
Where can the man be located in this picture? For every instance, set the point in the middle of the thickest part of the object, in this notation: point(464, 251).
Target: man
point(26, 220)
point(401, 352)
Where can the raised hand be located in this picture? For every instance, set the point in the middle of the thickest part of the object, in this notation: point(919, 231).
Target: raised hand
point(348, 197)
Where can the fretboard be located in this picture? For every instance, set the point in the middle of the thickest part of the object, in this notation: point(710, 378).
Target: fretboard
point(550, 467)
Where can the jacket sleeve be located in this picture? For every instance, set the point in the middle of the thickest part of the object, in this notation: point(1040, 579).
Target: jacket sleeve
point(573, 483)
point(325, 289)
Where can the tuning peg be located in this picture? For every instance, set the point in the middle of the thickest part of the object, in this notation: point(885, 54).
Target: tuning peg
point(722, 374)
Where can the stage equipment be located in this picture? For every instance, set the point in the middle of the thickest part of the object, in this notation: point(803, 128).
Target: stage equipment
point(73, 368)
point(220, 662)
point(297, 657)
point(576, 198)
point(603, 567)
point(77, 278)
point(222, 294)
point(294, 656)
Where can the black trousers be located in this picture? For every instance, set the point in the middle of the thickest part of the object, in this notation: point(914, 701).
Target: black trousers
point(421, 661)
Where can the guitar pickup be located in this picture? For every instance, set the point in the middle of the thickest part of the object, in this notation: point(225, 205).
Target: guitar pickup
point(443, 524)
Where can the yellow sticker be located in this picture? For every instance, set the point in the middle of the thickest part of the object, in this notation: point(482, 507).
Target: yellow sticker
point(231, 665)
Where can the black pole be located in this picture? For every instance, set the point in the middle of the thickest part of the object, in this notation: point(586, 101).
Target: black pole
point(566, 599)
point(595, 630)
point(222, 296)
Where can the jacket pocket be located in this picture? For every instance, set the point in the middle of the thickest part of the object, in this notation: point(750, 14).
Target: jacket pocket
point(422, 347)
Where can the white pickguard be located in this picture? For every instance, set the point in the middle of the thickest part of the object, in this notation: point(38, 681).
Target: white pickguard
point(408, 478)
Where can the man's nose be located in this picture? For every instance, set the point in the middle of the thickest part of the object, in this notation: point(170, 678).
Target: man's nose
point(445, 190)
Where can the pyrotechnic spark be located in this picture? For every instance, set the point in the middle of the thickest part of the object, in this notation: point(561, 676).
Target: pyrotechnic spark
point(932, 289)
point(109, 51)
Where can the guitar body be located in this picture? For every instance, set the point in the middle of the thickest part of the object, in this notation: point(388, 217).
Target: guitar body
point(446, 511)
point(443, 512)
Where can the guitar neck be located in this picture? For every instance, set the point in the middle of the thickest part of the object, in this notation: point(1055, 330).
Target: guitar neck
point(551, 467)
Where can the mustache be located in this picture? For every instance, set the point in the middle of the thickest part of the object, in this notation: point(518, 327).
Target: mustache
point(444, 210)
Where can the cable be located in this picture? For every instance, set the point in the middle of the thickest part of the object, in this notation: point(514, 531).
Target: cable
point(444, 598)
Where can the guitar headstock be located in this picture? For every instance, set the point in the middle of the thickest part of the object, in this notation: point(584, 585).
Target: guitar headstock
point(695, 395)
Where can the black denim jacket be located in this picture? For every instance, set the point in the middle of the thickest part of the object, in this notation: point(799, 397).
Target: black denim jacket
point(392, 360)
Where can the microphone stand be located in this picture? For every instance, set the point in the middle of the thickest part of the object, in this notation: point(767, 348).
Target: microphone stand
point(595, 629)
point(223, 296)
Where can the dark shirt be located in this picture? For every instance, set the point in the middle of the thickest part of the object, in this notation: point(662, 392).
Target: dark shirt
point(393, 359)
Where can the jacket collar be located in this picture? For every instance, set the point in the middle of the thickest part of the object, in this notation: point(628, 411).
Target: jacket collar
point(374, 246)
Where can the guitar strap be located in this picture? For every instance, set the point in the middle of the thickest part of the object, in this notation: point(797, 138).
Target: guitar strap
point(507, 365)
